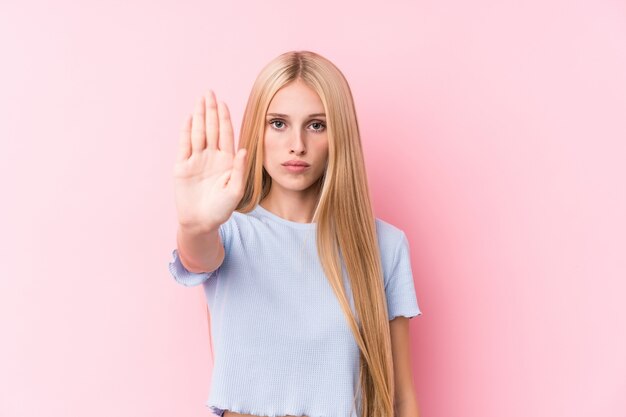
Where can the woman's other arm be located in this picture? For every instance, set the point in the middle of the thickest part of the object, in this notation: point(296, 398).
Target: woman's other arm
point(405, 399)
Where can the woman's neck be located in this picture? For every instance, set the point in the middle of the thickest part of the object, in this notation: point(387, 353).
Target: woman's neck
point(293, 206)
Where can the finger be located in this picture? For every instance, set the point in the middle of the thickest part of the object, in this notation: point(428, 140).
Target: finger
point(237, 174)
point(198, 139)
point(184, 140)
point(212, 124)
point(226, 141)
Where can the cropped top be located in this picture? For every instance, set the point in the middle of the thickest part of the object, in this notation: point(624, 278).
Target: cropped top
point(281, 342)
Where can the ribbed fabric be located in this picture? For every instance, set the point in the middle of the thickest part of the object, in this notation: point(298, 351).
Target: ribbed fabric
point(281, 343)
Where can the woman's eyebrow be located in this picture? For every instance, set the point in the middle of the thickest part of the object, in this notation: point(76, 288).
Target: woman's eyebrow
point(287, 117)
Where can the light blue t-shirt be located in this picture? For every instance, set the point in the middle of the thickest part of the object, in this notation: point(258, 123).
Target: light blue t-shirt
point(281, 342)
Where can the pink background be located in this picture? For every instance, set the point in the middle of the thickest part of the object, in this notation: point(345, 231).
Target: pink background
point(494, 134)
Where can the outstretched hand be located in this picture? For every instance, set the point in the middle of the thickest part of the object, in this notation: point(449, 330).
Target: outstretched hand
point(209, 178)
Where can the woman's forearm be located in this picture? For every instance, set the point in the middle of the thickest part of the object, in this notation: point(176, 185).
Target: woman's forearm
point(200, 250)
point(407, 407)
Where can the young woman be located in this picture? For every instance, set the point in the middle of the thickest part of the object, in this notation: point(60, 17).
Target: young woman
point(309, 293)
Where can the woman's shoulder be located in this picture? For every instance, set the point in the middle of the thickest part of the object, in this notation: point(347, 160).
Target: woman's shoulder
point(240, 219)
point(241, 223)
point(387, 232)
point(391, 241)
point(240, 216)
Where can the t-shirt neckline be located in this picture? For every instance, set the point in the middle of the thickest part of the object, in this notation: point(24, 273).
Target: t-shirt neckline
point(266, 213)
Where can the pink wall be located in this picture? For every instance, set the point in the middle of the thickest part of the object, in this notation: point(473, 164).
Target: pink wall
point(494, 135)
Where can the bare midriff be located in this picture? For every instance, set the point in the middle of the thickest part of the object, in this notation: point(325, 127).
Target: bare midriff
point(233, 414)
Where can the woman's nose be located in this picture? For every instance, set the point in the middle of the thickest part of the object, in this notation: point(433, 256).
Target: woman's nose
point(297, 144)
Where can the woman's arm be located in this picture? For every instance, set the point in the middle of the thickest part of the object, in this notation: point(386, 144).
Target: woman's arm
point(200, 251)
point(405, 400)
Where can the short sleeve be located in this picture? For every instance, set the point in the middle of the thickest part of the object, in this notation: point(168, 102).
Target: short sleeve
point(399, 285)
point(190, 279)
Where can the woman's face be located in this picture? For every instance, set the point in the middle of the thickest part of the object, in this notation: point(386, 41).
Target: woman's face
point(295, 130)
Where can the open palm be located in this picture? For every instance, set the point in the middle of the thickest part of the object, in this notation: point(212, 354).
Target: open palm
point(209, 178)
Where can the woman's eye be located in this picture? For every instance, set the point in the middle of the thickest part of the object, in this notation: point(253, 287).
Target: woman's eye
point(276, 121)
point(320, 126)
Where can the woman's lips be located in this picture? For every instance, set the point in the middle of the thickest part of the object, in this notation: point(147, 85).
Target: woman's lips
point(296, 168)
point(296, 165)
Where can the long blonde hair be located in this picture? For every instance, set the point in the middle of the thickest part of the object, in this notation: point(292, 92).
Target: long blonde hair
point(346, 227)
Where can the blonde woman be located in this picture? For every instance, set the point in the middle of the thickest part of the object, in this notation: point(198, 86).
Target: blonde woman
point(309, 293)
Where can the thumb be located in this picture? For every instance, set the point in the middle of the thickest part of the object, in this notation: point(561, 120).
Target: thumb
point(237, 173)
